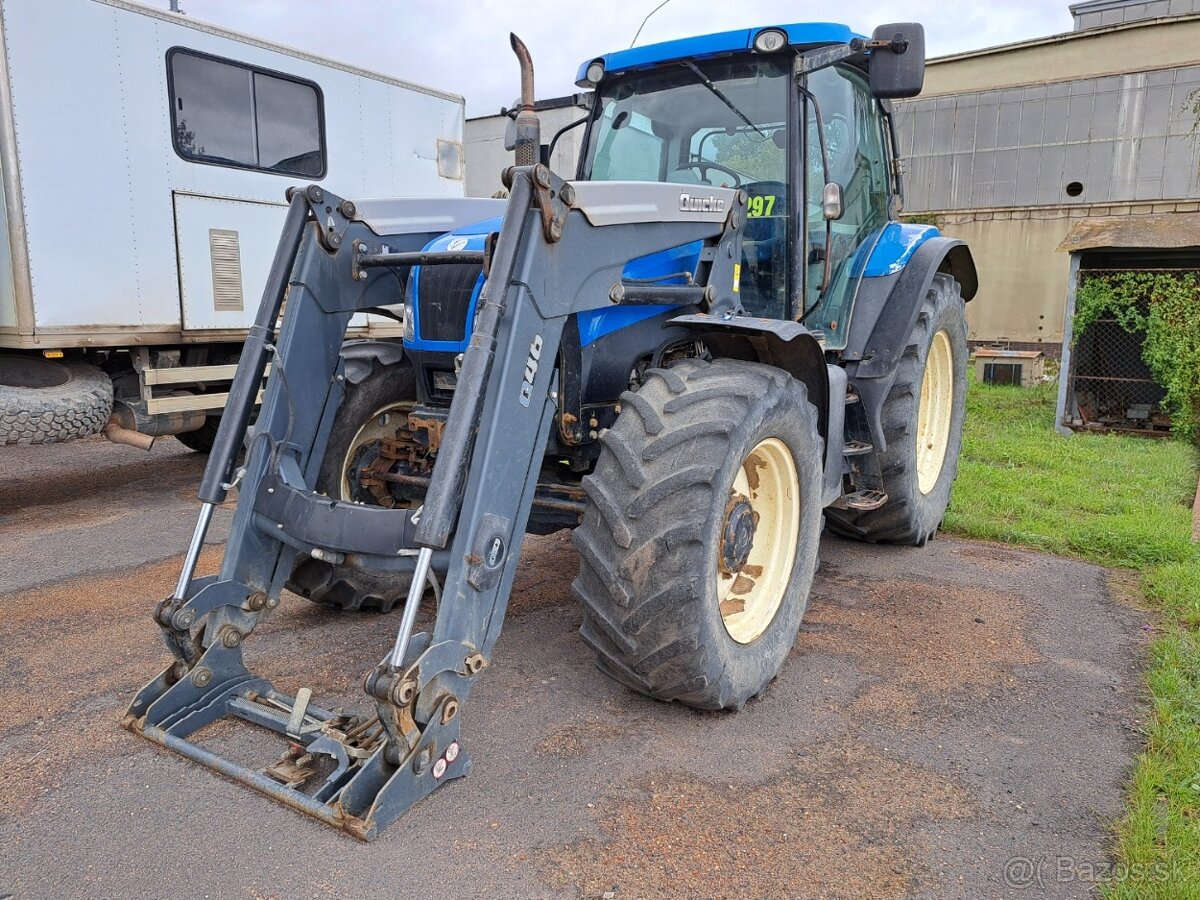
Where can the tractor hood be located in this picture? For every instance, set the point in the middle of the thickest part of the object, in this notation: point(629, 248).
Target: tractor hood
point(444, 297)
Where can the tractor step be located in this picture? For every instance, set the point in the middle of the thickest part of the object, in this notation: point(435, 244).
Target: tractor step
point(857, 448)
point(863, 501)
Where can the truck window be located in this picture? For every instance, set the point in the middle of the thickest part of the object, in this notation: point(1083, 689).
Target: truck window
point(225, 113)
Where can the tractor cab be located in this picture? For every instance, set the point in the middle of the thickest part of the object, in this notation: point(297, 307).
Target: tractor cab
point(793, 116)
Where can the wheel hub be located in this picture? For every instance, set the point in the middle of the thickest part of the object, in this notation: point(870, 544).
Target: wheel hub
point(738, 537)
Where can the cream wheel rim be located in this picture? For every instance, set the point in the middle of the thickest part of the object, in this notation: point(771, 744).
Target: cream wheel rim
point(758, 538)
point(383, 424)
point(935, 412)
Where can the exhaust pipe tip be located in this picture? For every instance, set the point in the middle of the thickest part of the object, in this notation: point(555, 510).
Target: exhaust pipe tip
point(528, 134)
point(119, 434)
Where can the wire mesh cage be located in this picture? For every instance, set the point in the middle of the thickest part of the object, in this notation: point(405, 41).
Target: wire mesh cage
point(1109, 383)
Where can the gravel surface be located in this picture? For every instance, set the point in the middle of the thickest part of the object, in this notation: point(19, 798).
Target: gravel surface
point(950, 717)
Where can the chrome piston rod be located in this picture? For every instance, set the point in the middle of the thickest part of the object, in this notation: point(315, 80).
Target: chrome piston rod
point(415, 591)
point(193, 551)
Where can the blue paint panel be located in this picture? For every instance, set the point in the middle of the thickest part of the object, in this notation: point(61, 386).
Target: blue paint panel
point(597, 323)
point(896, 246)
point(475, 236)
point(804, 34)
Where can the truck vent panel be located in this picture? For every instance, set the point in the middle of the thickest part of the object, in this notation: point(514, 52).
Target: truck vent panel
point(444, 298)
point(226, 256)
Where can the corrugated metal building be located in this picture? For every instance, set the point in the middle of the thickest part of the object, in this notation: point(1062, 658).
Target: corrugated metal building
point(1009, 147)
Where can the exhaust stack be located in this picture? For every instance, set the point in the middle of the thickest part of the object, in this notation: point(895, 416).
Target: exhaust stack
point(528, 128)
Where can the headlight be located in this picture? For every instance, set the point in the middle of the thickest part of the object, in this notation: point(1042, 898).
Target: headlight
point(410, 329)
point(595, 72)
point(770, 40)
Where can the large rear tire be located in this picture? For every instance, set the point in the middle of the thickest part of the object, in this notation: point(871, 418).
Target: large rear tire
point(699, 543)
point(923, 422)
point(369, 408)
point(46, 401)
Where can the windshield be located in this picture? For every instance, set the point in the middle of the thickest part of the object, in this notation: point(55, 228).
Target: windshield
point(719, 123)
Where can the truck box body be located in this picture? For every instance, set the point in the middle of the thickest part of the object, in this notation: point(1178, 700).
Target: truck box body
point(137, 210)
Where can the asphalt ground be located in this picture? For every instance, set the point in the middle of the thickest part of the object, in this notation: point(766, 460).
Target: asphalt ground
point(955, 721)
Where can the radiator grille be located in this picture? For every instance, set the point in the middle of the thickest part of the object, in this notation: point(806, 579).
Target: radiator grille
point(444, 297)
point(226, 269)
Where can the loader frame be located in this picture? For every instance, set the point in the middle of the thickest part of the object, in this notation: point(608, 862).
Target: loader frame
point(560, 250)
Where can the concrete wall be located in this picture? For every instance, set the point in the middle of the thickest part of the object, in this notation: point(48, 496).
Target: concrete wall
point(487, 158)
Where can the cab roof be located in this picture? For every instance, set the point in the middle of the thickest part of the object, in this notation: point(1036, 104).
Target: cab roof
point(800, 35)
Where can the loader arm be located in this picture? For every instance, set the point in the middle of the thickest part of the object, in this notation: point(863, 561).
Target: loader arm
point(561, 250)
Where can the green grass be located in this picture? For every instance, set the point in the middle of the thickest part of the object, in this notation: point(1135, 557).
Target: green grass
point(1122, 502)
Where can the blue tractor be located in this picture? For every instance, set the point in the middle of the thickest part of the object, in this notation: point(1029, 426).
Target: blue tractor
point(714, 341)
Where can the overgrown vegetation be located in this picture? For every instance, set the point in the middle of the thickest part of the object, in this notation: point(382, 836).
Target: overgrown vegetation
point(1123, 502)
point(1165, 308)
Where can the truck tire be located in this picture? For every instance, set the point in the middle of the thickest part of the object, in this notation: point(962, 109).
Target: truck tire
point(45, 401)
point(385, 388)
point(201, 440)
point(923, 422)
point(699, 542)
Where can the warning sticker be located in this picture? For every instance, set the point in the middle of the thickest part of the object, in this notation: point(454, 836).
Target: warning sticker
point(737, 276)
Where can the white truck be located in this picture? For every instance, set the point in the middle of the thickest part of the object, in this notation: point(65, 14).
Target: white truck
point(145, 157)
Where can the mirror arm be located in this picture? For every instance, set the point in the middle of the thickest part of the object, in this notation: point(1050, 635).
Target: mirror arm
point(897, 167)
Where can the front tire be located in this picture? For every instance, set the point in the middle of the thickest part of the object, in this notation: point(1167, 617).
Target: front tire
point(369, 408)
point(700, 539)
point(923, 422)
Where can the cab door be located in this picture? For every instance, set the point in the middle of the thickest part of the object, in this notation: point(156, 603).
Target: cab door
point(853, 131)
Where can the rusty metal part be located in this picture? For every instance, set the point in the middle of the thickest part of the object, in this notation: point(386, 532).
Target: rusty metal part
point(528, 127)
point(476, 663)
point(433, 427)
point(405, 448)
point(449, 710)
point(553, 198)
point(119, 434)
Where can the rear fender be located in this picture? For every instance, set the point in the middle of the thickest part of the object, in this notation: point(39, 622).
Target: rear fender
point(885, 312)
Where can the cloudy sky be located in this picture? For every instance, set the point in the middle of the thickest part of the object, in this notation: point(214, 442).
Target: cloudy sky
point(463, 46)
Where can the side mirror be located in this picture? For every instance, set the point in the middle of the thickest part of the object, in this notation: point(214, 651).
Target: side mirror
point(898, 60)
point(831, 202)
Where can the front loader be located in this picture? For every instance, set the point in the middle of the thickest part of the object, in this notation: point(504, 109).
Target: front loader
point(693, 365)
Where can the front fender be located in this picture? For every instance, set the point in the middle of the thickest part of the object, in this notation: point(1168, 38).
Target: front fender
point(781, 343)
point(885, 312)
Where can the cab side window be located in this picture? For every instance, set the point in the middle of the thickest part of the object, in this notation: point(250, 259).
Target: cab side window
point(857, 161)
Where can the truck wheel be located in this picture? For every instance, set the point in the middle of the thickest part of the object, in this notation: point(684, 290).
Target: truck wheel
point(699, 543)
point(44, 401)
point(201, 440)
point(366, 415)
point(923, 422)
